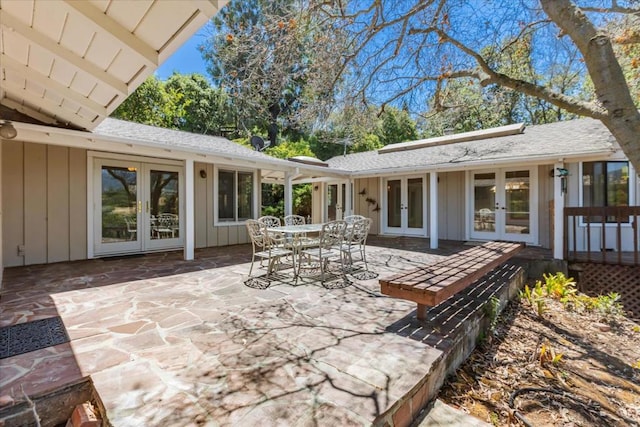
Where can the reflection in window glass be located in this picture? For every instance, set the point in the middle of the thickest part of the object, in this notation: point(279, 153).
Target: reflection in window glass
point(119, 196)
point(605, 184)
point(235, 195)
point(225, 195)
point(245, 195)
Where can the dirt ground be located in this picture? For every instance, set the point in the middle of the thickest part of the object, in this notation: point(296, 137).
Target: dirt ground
point(563, 368)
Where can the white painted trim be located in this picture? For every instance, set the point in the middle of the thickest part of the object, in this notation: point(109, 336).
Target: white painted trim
point(27, 111)
point(189, 210)
point(348, 198)
point(133, 157)
point(86, 140)
point(1, 222)
point(404, 231)
point(62, 113)
point(32, 74)
point(90, 206)
point(433, 209)
point(255, 209)
point(467, 206)
point(207, 7)
point(483, 164)
point(558, 213)
point(66, 55)
point(533, 237)
point(288, 194)
point(144, 166)
point(112, 28)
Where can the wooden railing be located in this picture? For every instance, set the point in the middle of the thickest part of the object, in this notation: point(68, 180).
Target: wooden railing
point(602, 224)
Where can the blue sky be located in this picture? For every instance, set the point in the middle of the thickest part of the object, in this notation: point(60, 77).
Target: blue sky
point(186, 59)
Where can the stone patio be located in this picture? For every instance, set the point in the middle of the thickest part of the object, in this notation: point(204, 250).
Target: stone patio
point(171, 342)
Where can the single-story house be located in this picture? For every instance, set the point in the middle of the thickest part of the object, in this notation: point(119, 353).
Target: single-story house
point(76, 184)
point(69, 194)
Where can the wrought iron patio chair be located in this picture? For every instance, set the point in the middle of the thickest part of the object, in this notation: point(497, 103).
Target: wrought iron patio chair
point(355, 241)
point(270, 221)
point(294, 220)
point(273, 221)
point(265, 247)
point(302, 240)
point(331, 237)
point(132, 227)
point(350, 219)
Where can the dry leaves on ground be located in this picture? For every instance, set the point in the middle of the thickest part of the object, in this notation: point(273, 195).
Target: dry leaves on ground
point(563, 368)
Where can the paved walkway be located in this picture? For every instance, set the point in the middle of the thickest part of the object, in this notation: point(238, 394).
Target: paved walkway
point(169, 342)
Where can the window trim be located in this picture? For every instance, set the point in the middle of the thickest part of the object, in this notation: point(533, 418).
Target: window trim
point(633, 182)
point(254, 197)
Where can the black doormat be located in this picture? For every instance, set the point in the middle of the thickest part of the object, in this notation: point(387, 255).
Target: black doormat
point(31, 336)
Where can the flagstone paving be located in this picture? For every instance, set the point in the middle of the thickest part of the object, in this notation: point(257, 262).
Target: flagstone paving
point(173, 342)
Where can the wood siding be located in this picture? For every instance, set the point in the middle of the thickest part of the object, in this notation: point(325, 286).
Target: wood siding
point(451, 206)
point(545, 206)
point(45, 203)
point(361, 206)
point(208, 235)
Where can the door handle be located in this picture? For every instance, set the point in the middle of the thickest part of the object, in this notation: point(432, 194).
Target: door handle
point(147, 207)
point(139, 206)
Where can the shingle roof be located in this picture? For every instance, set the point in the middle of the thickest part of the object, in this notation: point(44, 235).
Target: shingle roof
point(562, 139)
point(179, 140)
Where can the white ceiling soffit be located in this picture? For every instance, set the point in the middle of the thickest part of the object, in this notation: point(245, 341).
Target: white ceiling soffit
point(71, 63)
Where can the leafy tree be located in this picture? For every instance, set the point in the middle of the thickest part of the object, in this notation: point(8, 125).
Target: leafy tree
point(289, 149)
point(207, 110)
point(273, 194)
point(397, 126)
point(152, 104)
point(402, 52)
point(367, 143)
point(266, 54)
point(462, 105)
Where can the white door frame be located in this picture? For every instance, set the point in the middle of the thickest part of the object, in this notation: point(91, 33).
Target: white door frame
point(342, 194)
point(498, 212)
point(404, 228)
point(142, 242)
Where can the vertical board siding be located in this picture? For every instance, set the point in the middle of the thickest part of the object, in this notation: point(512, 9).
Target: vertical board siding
point(451, 206)
point(77, 204)
point(233, 235)
point(545, 214)
point(35, 203)
point(12, 202)
point(243, 236)
point(57, 204)
point(364, 208)
point(212, 234)
point(223, 236)
point(45, 203)
point(200, 200)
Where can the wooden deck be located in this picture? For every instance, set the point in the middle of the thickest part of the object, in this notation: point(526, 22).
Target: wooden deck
point(428, 286)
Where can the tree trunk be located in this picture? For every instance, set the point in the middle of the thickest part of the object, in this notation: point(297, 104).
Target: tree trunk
point(620, 116)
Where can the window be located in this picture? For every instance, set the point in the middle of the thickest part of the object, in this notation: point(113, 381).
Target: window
point(605, 184)
point(235, 195)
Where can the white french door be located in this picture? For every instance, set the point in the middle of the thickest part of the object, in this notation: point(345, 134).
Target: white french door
point(405, 206)
point(137, 206)
point(504, 204)
point(336, 201)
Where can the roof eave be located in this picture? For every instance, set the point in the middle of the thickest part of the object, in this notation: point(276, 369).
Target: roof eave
point(449, 167)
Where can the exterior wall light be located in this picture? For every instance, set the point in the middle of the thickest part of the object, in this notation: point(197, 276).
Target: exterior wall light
point(7, 131)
